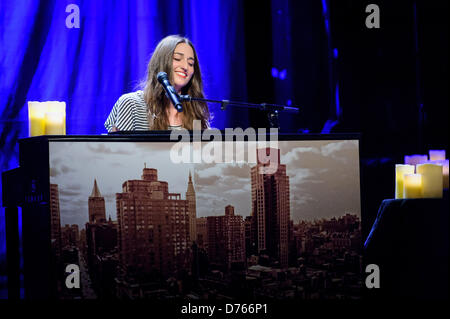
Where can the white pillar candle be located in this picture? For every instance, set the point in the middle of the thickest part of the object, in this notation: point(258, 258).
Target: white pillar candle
point(58, 107)
point(400, 171)
point(444, 164)
point(415, 159)
point(437, 155)
point(432, 180)
point(412, 186)
point(46, 118)
point(54, 123)
point(36, 118)
point(445, 172)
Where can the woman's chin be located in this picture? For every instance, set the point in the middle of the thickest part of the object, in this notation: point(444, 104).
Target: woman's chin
point(178, 88)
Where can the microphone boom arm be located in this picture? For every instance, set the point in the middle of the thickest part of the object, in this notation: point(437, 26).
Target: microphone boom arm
point(272, 109)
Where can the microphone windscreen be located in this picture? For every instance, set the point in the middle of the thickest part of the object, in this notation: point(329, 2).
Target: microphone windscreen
point(161, 76)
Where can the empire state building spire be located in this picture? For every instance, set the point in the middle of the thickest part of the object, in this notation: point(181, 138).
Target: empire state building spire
point(190, 197)
point(190, 188)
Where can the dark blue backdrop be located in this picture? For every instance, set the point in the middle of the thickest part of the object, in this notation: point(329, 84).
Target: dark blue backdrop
point(89, 67)
point(390, 84)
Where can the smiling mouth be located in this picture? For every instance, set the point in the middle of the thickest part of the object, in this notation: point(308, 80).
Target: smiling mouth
point(181, 74)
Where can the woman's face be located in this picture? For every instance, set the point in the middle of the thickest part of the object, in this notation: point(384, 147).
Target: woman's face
point(183, 66)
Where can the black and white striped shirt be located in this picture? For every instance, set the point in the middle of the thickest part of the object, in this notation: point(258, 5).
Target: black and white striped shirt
point(129, 113)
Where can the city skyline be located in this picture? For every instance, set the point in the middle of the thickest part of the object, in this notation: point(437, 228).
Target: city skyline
point(324, 177)
point(151, 237)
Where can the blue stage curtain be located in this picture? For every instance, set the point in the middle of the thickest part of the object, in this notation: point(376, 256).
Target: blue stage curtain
point(89, 67)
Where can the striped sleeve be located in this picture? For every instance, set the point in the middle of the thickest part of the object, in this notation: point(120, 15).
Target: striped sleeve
point(129, 113)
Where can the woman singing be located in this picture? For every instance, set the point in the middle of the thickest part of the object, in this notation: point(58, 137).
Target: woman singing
point(150, 109)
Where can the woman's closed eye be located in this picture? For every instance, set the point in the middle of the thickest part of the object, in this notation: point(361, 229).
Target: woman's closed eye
point(191, 64)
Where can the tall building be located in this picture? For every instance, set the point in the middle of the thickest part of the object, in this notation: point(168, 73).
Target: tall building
point(226, 238)
point(190, 197)
point(70, 235)
point(100, 235)
point(101, 245)
point(102, 257)
point(83, 242)
point(101, 238)
point(202, 233)
point(250, 237)
point(271, 207)
point(55, 221)
point(96, 204)
point(153, 226)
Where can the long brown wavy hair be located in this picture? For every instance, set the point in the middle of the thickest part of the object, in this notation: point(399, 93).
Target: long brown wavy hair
point(154, 95)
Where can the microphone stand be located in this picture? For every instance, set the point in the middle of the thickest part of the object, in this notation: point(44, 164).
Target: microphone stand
point(272, 109)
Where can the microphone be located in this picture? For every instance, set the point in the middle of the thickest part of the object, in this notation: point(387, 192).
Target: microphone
point(170, 91)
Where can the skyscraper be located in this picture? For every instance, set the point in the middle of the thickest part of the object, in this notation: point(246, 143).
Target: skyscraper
point(271, 207)
point(226, 238)
point(70, 235)
point(202, 233)
point(153, 226)
point(101, 243)
point(96, 204)
point(190, 197)
point(55, 221)
point(250, 237)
